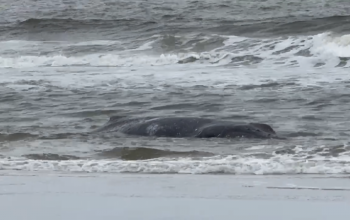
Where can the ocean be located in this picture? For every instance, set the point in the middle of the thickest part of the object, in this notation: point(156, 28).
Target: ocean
point(67, 66)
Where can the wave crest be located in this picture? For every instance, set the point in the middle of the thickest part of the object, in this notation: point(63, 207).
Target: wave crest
point(216, 164)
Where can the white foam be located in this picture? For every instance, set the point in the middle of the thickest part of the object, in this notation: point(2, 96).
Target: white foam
point(229, 165)
point(96, 42)
point(106, 60)
point(331, 45)
point(324, 48)
point(145, 46)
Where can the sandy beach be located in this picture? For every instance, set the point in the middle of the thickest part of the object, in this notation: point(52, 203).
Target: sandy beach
point(52, 196)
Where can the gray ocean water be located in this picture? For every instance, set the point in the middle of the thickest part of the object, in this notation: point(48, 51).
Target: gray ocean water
point(67, 66)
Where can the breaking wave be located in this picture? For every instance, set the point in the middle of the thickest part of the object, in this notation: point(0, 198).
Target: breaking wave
point(319, 50)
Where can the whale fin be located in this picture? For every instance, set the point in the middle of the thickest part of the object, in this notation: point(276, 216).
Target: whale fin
point(263, 127)
point(116, 118)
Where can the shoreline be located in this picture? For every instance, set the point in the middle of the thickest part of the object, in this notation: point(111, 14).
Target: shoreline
point(146, 196)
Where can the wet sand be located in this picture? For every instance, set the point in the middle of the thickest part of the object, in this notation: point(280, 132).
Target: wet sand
point(42, 196)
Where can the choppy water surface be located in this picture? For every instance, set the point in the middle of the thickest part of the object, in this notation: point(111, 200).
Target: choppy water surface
point(67, 66)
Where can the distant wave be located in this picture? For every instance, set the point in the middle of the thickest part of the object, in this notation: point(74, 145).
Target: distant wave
point(283, 26)
point(61, 25)
point(124, 153)
point(71, 23)
point(16, 136)
point(142, 153)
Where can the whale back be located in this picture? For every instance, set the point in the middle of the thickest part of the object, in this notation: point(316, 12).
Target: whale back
point(152, 126)
point(226, 130)
point(168, 127)
point(119, 123)
point(186, 127)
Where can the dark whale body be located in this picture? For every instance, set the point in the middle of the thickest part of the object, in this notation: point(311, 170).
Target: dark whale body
point(187, 127)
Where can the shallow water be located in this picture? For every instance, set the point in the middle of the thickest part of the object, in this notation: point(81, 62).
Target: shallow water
point(67, 66)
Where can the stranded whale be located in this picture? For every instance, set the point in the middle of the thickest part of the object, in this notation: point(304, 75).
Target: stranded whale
point(187, 127)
